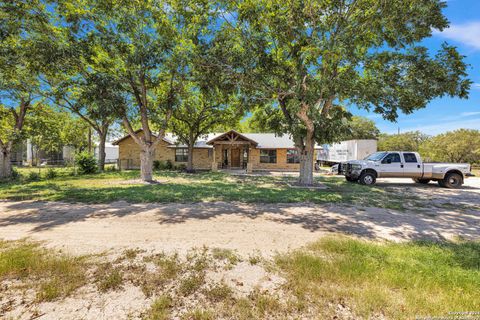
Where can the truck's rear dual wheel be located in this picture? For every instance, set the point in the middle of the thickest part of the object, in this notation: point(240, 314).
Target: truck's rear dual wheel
point(452, 180)
point(367, 178)
point(422, 181)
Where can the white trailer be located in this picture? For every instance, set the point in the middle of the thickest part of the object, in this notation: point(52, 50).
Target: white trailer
point(111, 153)
point(346, 151)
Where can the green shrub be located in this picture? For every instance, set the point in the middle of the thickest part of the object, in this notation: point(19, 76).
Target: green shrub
point(33, 176)
point(15, 174)
point(86, 163)
point(110, 168)
point(51, 174)
point(168, 165)
point(157, 165)
point(182, 167)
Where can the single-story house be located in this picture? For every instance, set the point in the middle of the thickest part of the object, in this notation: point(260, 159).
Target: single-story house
point(229, 150)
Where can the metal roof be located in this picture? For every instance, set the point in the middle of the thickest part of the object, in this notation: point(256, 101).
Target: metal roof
point(264, 140)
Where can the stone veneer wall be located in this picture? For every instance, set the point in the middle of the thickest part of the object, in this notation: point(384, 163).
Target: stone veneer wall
point(129, 155)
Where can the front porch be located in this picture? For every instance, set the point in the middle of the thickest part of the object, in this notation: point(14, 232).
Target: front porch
point(232, 151)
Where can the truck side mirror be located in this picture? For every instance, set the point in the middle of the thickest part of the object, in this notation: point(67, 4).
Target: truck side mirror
point(387, 161)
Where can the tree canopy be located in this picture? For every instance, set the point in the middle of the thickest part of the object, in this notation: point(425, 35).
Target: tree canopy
point(311, 58)
point(408, 141)
point(461, 145)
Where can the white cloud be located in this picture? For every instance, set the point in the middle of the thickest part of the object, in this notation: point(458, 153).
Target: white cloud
point(469, 114)
point(476, 85)
point(441, 127)
point(467, 34)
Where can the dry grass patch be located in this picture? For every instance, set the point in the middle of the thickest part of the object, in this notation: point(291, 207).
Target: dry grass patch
point(226, 255)
point(219, 292)
point(49, 273)
point(108, 277)
point(160, 309)
point(399, 281)
point(199, 314)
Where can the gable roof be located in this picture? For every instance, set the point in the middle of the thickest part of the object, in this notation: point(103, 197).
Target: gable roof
point(232, 133)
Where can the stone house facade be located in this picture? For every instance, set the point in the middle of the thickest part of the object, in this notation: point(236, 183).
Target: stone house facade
point(229, 150)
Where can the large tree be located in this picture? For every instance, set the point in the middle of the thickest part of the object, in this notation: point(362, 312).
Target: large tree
point(311, 57)
point(20, 24)
point(145, 47)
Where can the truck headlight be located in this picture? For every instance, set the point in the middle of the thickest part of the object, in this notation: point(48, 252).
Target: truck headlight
point(356, 167)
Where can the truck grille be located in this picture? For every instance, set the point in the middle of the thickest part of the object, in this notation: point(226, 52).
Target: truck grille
point(345, 168)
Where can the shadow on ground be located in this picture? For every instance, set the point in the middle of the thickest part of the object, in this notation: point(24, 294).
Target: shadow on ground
point(436, 224)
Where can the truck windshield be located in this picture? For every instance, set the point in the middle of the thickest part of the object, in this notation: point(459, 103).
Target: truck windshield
point(377, 156)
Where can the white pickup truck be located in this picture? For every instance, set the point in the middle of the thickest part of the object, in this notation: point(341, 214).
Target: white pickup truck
point(399, 164)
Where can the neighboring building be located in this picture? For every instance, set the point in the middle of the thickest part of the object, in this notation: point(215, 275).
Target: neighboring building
point(111, 153)
point(32, 155)
point(347, 150)
point(230, 150)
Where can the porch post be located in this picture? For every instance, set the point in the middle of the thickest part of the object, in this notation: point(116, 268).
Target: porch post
point(249, 164)
point(214, 160)
point(229, 163)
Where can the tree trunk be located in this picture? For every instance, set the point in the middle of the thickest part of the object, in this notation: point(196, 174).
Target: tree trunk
point(101, 151)
point(306, 163)
point(5, 164)
point(146, 163)
point(190, 157)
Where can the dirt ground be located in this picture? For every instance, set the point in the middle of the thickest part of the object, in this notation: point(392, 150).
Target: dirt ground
point(266, 228)
point(248, 229)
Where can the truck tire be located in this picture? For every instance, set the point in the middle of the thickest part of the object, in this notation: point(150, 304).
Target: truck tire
point(452, 180)
point(422, 181)
point(367, 178)
point(350, 179)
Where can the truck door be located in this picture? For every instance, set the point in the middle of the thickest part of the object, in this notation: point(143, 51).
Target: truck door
point(412, 168)
point(391, 166)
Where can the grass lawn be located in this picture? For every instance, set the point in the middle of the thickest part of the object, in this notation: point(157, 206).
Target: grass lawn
point(182, 187)
point(400, 281)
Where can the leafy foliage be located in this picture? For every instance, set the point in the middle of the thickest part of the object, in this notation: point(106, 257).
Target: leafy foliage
point(461, 145)
point(86, 162)
point(408, 141)
point(361, 128)
point(306, 60)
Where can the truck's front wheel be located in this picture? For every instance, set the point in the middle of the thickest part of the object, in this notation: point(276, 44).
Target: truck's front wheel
point(367, 178)
point(351, 179)
point(452, 180)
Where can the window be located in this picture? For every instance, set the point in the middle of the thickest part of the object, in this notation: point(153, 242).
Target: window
point(393, 157)
point(377, 156)
point(268, 156)
point(181, 155)
point(410, 157)
point(292, 156)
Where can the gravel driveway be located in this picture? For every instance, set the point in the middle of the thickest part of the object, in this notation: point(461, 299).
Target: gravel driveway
point(268, 228)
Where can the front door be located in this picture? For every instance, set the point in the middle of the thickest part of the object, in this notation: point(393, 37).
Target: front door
point(391, 166)
point(235, 158)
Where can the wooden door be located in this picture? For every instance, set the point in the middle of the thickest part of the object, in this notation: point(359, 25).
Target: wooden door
point(235, 158)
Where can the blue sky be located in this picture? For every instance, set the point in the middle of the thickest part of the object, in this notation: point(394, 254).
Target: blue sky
point(447, 114)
